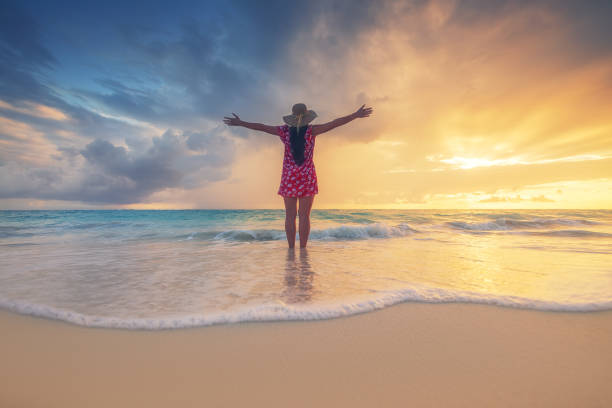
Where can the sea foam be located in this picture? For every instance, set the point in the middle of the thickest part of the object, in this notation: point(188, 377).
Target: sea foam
point(505, 224)
point(279, 311)
point(339, 233)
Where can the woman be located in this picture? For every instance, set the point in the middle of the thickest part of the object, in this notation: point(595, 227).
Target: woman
point(299, 179)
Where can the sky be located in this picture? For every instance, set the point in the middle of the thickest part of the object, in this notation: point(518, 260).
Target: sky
point(476, 104)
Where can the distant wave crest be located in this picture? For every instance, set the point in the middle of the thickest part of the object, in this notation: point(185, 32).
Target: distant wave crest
point(567, 233)
point(341, 233)
point(507, 224)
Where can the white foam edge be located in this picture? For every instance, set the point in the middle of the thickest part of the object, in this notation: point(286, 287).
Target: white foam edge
point(283, 312)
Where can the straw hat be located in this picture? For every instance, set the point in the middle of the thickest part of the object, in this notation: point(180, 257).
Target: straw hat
point(300, 115)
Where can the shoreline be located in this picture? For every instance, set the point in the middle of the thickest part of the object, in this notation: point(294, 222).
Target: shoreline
point(408, 354)
point(245, 317)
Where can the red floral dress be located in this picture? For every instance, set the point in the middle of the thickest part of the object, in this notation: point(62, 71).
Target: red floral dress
point(298, 181)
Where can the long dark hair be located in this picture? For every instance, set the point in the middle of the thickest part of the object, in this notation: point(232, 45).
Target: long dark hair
point(298, 143)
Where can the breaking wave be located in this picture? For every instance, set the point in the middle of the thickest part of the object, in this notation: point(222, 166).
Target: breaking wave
point(341, 233)
point(507, 224)
point(280, 311)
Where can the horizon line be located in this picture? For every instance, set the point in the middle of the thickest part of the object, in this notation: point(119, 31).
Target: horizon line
point(282, 209)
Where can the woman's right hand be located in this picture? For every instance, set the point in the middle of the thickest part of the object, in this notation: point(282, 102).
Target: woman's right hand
point(235, 121)
point(363, 112)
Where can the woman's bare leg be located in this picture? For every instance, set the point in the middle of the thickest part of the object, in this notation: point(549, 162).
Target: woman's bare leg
point(304, 211)
point(290, 212)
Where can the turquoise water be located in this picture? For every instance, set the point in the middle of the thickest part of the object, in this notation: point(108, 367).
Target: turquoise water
point(180, 268)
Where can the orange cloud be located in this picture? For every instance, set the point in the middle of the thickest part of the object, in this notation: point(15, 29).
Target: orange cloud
point(36, 109)
point(22, 142)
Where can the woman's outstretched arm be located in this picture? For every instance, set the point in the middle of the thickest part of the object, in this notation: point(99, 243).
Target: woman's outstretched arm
point(362, 112)
point(236, 121)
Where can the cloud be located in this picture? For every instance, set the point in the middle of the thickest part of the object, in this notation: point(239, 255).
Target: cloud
point(189, 73)
point(175, 160)
point(36, 110)
point(516, 199)
point(204, 67)
point(29, 95)
point(46, 147)
point(111, 174)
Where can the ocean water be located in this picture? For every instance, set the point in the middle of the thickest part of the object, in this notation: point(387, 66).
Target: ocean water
point(164, 269)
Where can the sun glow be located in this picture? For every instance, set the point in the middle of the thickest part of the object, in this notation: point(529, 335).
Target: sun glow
point(472, 162)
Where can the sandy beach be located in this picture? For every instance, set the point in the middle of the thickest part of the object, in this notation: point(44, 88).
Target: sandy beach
point(407, 355)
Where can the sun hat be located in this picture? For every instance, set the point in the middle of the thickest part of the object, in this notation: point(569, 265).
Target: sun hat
point(300, 116)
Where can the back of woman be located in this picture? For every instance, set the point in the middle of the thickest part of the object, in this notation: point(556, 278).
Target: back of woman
point(299, 178)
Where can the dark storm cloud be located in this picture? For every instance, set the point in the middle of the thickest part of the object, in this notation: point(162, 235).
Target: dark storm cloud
point(175, 160)
point(114, 175)
point(224, 59)
point(191, 64)
point(136, 177)
point(187, 77)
